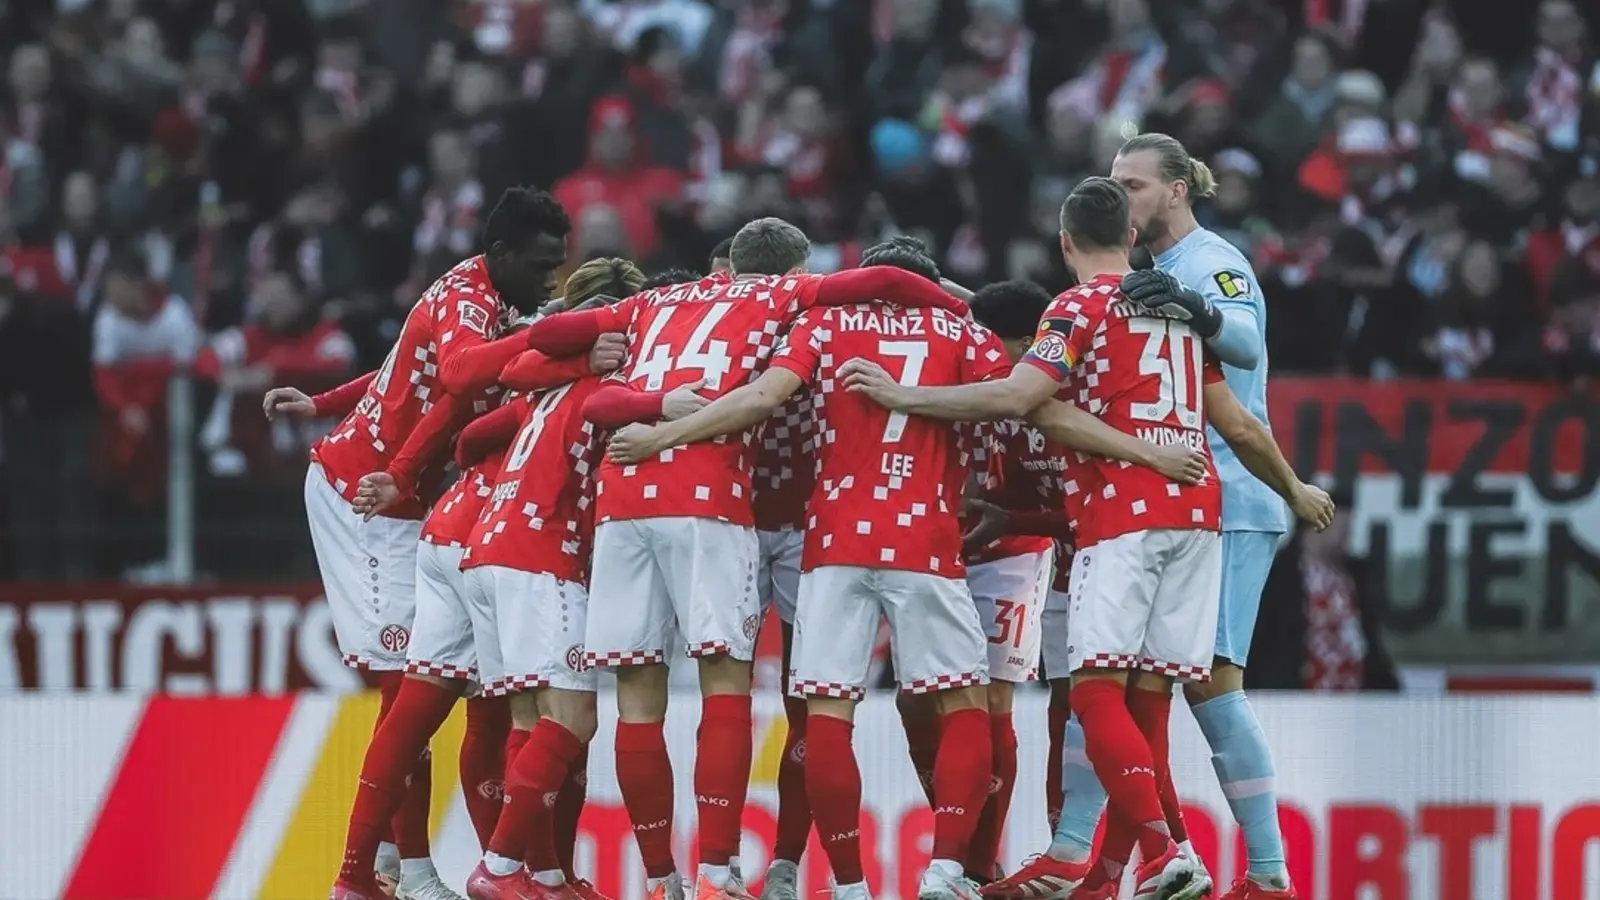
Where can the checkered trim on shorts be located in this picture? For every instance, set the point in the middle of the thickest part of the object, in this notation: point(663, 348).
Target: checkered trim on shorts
point(801, 688)
point(1199, 674)
point(945, 683)
point(614, 659)
point(707, 648)
point(1110, 661)
point(512, 684)
point(366, 664)
point(441, 670)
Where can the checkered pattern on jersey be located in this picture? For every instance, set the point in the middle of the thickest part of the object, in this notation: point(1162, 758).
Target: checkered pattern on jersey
point(785, 464)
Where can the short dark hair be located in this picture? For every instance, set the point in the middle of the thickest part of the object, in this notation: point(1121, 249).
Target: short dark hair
point(768, 246)
point(522, 214)
point(721, 250)
point(668, 278)
point(128, 263)
point(1010, 309)
point(1095, 214)
point(902, 252)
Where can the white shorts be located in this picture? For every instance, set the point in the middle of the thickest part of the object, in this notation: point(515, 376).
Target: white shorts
point(935, 639)
point(1053, 633)
point(1010, 595)
point(445, 637)
point(778, 575)
point(1147, 600)
point(369, 569)
point(538, 630)
point(654, 578)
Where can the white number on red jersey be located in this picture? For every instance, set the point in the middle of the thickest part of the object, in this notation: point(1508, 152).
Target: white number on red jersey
point(708, 356)
point(1174, 355)
point(522, 448)
point(915, 353)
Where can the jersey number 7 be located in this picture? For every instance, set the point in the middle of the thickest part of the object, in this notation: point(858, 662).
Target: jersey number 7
point(915, 354)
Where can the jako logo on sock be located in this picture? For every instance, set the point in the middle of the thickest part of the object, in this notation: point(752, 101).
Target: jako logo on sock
point(1138, 770)
point(850, 835)
point(711, 801)
point(950, 811)
point(651, 826)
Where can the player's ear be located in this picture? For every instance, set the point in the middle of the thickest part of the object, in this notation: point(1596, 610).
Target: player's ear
point(1066, 244)
point(1132, 238)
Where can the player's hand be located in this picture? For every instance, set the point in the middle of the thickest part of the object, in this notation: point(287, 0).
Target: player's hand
point(991, 524)
point(375, 493)
point(608, 352)
point(1163, 295)
point(1180, 463)
point(287, 401)
point(861, 376)
point(682, 401)
point(1313, 505)
point(634, 443)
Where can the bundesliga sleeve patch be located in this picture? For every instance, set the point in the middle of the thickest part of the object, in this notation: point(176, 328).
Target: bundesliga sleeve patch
point(473, 316)
point(1231, 284)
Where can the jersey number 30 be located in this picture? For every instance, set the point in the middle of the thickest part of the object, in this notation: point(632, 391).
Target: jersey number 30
point(1173, 354)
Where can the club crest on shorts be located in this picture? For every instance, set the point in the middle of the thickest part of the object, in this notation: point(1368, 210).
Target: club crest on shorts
point(1052, 348)
point(394, 639)
point(575, 658)
point(752, 625)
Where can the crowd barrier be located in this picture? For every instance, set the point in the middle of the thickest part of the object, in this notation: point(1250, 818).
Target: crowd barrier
point(1383, 798)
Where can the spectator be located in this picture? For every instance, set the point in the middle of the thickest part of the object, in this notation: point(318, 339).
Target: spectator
point(617, 175)
point(1294, 123)
point(81, 247)
point(47, 412)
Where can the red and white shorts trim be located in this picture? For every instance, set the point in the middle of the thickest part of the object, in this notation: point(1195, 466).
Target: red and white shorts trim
point(1010, 594)
point(368, 569)
point(681, 576)
point(535, 624)
point(1147, 600)
point(936, 640)
point(447, 634)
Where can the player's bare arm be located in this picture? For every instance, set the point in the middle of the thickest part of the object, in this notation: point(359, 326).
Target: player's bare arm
point(1013, 397)
point(1255, 447)
point(734, 411)
point(1069, 425)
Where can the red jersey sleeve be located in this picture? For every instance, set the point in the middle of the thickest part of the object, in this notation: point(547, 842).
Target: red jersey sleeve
point(800, 351)
point(878, 283)
point(489, 432)
point(984, 356)
point(1064, 335)
point(427, 443)
point(568, 333)
point(1211, 371)
point(342, 399)
point(534, 371)
point(468, 359)
point(615, 405)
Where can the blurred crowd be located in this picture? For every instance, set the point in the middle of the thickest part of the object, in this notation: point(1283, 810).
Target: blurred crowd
point(259, 189)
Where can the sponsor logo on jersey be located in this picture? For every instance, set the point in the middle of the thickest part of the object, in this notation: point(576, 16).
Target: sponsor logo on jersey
point(1231, 284)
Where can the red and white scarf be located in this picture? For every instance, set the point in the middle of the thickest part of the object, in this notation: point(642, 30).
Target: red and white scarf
point(1336, 647)
point(1555, 99)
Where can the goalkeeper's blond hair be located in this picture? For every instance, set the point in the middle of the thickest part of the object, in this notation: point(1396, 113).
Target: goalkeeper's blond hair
point(1175, 162)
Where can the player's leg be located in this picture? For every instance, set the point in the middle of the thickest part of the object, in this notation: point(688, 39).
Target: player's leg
point(919, 719)
point(1240, 753)
point(938, 646)
point(482, 762)
point(1078, 799)
point(839, 610)
point(710, 569)
point(630, 622)
point(543, 651)
point(1010, 595)
point(780, 579)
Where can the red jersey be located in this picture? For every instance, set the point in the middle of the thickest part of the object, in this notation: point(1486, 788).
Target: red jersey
point(1024, 473)
point(460, 311)
point(888, 485)
point(1143, 376)
point(539, 516)
point(786, 465)
point(450, 521)
point(715, 330)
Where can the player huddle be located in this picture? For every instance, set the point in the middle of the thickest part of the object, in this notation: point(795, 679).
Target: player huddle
point(642, 479)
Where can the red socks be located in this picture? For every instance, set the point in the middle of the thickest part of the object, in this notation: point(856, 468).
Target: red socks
point(1054, 795)
point(921, 725)
point(833, 787)
point(526, 830)
point(1152, 712)
point(794, 806)
point(397, 750)
point(722, 774)
point(514, 742)
point(569, 809)
point(960, 781)
point(483, 762)
point(644, 774)
point(985, 849)
point(1122, 760)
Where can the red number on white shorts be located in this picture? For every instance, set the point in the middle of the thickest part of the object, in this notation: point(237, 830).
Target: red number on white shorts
point(1012, 616)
